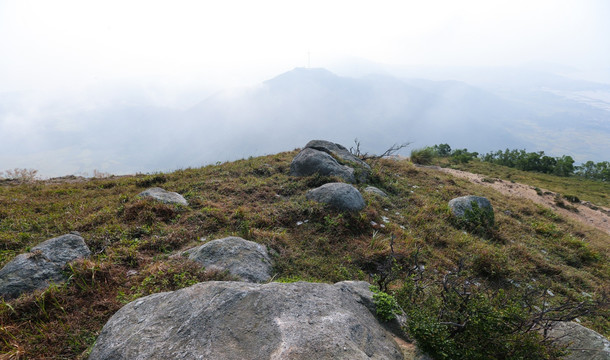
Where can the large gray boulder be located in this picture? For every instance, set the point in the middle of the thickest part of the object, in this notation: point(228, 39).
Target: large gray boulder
point(339, 162)
point(245, 259)
point(41, 266)
point(340, 196)
point(238, 320)
point(458, 206)
point(310, 162)
point(339, 152)
point(583, 343)
point(164, 196)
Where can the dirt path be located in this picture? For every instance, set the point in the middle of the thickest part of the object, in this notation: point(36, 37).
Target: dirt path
point(589, 214)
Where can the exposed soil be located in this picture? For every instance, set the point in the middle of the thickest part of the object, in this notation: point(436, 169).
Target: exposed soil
point(584, 212)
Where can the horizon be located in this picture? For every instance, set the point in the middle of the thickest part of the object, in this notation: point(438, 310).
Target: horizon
point(68, 66)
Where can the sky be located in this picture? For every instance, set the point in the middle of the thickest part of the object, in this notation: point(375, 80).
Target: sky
point(60, 58)
point(66, 45)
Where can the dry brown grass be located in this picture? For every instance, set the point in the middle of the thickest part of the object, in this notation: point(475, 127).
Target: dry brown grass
point(133, 239)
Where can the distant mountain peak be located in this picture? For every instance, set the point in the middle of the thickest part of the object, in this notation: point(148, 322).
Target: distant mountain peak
point(301, 74)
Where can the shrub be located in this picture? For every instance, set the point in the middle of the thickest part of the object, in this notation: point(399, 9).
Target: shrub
point(477, 220)
point(422, 156)
point(385, 304)
point(150, 180)
point(442, 150)
point(457, 318)
point(462, 156)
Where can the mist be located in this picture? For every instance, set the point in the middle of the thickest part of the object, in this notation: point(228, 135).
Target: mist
point(152, 86)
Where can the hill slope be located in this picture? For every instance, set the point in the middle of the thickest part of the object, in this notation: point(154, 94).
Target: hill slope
point(132, 240)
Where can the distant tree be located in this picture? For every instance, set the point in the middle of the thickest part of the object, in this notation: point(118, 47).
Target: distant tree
point(442, 150)
point(596, 171)
point(565, 166)
point(462, 155)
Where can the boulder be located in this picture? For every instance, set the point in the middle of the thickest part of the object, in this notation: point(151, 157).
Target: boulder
point(345, 165)
point(164, 196)
point(458, 206)
point(376, 191)
point(310, 161)
point(41, 266)
point(340, 196)
point(583, 343)
point(245, 259)
point(339, 152)
point(238, 320)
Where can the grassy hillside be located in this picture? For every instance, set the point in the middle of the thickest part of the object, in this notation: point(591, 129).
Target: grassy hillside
point(597, 192)
point(132, 240)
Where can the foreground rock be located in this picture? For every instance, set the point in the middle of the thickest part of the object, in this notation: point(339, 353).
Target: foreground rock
point(459, 206)
point(237, 320)
point(164, 196)
point(340, 196)
point(41, 266)
point(245, 259)
point(583, 343)
point(329, 159)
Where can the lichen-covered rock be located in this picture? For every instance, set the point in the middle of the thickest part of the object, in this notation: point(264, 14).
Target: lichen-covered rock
point(338, 151)
point(340, 196)
point(583, 343)
point(164, 196)
point(310, 162)
point(458, 206)
point(238, 320)
point(329, 159)
point(376, 191)
point(41, 266)
point(245, 259)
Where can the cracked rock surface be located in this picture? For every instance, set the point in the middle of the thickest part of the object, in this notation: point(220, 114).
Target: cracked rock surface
point(239, 320)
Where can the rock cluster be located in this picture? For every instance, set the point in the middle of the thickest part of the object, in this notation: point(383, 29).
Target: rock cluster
point(41, 266)
point(329, 159)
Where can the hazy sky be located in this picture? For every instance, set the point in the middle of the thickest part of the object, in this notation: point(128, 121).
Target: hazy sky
point(52, 45)
point(71, 71)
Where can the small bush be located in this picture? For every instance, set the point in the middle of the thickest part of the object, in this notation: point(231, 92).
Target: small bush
point(151, 180)
point(572, 198)
point(385, 304)
point(422, 156)
point(462, 156)
point(458, 318)
point(477, 220)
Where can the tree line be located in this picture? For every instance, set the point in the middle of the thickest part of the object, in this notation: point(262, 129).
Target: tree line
point(529, 161)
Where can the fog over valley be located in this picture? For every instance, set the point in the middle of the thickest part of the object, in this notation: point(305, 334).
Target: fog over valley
point(155, 87)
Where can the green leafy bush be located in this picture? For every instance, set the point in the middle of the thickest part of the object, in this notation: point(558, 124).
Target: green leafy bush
point(477, 220)
point(422, 156)
point(461, 156)
point(460, 319)
point(385, 304)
